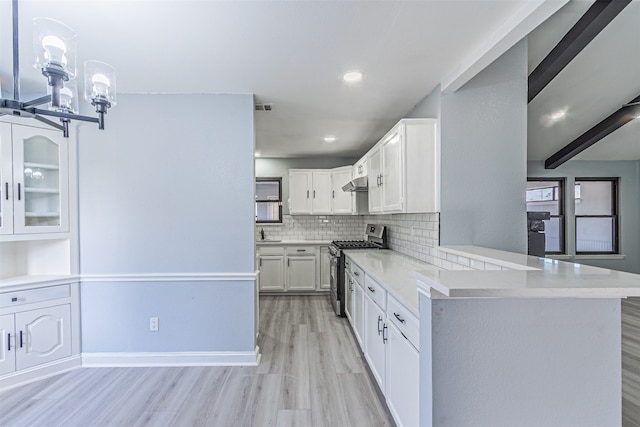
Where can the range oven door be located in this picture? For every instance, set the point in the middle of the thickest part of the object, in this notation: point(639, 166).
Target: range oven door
point(334, 292)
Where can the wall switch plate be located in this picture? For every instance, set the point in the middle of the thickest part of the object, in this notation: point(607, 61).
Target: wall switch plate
point(154, 324)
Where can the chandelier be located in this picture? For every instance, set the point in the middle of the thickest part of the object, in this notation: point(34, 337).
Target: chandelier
point(55, 50)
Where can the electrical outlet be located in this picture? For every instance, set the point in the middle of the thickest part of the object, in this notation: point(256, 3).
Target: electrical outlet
point(154, 324)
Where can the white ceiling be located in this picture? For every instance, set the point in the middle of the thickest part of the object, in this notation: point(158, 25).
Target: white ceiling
point(603, 77)
point(293, 54)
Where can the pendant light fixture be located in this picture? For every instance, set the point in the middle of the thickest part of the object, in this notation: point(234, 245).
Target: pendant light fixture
point(55, 49)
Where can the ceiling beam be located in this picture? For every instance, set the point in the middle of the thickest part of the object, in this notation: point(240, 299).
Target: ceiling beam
point(599, 15)
point(624, 115)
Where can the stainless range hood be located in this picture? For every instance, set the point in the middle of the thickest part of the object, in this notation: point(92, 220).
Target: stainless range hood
point(357, 184)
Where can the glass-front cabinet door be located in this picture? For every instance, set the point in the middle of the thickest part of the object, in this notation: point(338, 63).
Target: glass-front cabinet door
point(6, 180)
point(41, 181)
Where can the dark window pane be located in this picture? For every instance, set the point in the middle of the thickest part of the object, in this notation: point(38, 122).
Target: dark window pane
point(267, 211)
point(594, 234)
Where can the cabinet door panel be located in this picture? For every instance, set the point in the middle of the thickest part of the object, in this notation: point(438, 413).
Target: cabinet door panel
point(358, 314)
point(321, 194)
point(7, 349)
point(348, 295)
point(271, 272)
point(301, 273)
point(46, 335)
point(299, 192)
point(403, 379)
point(41, 180)
point(6, 180)
point(374, 167)
point(325, 268)
point(374, 345)
point(342, 200)
point(392, 191)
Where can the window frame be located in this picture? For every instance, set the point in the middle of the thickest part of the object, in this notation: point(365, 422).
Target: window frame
point(277, 179)
point(615, 209)
point(562, 182)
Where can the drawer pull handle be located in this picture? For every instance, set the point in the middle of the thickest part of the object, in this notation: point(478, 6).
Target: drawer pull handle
point(21, 344)
point(18, 191)
point(355, 273)
point(379, 321)
point(301, 250)
point(6, 191)
point(398, 317)
point(9, 341)
point(405, 337)
point(371, 289)
point(384, 337)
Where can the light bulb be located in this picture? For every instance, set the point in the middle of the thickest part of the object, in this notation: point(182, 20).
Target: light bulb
point(66, 98)
point(54, 49)
point(100, 84)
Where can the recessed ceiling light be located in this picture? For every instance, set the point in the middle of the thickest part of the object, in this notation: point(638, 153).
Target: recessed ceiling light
point(352, 76)
point(558, 115)
point(329, 138)
point(257, 154)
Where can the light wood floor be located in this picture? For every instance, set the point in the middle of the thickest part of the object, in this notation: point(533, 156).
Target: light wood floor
point(311, 374)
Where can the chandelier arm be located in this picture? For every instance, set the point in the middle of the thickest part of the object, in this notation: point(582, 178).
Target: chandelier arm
point(37, 101)
point(16, 53)
point(49, 122)
point(63, 115)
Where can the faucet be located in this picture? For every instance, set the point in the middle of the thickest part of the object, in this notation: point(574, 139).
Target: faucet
point(262, 233)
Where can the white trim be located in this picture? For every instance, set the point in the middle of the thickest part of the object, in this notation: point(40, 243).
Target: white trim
point(39, 372)
point(532, 14)
point(197, 358)
point(168, 277)
point(599, 256)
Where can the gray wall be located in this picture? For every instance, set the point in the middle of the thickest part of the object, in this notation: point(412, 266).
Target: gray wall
point(629, 202)
point(483, 155)
point(168, 191)
point(483, 162)
point(273, 168)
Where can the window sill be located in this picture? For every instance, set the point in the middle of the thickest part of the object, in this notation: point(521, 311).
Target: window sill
point(600, 256)
point(560, 257)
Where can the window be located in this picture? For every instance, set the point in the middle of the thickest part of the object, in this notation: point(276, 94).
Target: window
point(596, 216)
point(547, 195)
point(268, 200)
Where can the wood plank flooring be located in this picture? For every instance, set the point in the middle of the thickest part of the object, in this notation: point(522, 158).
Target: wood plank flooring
point(311, 374)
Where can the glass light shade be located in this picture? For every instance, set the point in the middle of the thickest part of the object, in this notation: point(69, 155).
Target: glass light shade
point(68, 97)
point(54, 45)
point(99, 82)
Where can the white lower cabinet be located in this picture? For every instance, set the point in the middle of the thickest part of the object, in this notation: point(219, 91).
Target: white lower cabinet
point(325, 268)
point(402, 378)
point(375, 337)
point(301, 273)
point(348, 295)
point(34, 337)
point(271, 272)
point(358, 314)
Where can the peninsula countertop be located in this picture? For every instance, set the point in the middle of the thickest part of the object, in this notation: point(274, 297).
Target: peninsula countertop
point(529, 277)
point(394, 271)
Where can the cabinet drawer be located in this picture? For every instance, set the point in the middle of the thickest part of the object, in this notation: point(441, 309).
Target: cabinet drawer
point(408, 324)
point(375, 291)
point(270, 250)
point(30, 296)
point(357, 273)
point(301, 250)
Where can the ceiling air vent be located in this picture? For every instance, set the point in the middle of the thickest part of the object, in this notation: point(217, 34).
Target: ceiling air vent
point(264, 107)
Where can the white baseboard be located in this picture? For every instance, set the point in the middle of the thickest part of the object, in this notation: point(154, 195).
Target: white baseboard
point(203, 358)
point(40, 372)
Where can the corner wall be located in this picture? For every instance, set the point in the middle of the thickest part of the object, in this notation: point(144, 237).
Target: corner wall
point(166, 201)
point(483, 160)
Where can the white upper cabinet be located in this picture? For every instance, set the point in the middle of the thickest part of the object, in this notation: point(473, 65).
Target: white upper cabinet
point(374, 166)
point(34, 167)
point(404, 169)
point(321, 192)
point(343, 201)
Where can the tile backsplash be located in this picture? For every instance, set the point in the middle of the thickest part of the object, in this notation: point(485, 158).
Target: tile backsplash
point(315, 227)
point(414, 235)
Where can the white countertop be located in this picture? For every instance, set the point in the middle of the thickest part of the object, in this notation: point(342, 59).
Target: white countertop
point(535, 278)
point(393, 271)
point(292, 242)
point(35, 281)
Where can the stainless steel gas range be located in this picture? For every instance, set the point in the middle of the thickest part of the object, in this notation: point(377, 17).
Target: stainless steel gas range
point(376, 239)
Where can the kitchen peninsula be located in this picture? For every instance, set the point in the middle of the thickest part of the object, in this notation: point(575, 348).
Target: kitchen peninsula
point(538, 344)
